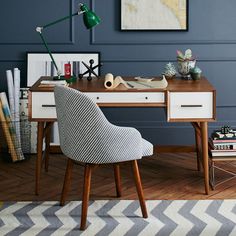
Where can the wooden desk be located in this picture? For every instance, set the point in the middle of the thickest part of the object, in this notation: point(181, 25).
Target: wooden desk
point(184, 101)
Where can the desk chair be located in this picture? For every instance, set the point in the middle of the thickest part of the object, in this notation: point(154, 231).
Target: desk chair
point(87, 136)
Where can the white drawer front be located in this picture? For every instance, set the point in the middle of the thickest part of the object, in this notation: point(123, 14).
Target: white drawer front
point(190, 105)
point(43, 105)
point(114, 97)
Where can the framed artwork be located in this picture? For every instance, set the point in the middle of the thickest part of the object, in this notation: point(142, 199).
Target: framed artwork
point(40, 64)
point(167, 15)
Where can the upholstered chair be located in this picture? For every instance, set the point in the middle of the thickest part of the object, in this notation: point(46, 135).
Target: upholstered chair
point(87, 136)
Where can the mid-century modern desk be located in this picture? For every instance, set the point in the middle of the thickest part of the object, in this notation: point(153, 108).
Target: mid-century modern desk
point(184, 101)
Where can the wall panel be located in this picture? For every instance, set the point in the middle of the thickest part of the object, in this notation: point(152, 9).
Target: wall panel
point(211, 36)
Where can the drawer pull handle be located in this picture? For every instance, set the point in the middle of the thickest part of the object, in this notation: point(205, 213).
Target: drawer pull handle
point(97, 98)
point(49, 105)
point(191, 106)
point(146, 98)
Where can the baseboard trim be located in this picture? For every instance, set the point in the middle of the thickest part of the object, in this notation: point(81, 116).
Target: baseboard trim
point(55, 149)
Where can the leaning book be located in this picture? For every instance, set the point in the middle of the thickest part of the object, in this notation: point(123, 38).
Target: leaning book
point(223, 153)
point(223, 144)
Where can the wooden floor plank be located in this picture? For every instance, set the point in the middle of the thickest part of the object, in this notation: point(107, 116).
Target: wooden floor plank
point(165, 176)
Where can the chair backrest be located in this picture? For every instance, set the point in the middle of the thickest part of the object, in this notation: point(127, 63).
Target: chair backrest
point(80, 121)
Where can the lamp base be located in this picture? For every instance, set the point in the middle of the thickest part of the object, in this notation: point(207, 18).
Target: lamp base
point(69, 80)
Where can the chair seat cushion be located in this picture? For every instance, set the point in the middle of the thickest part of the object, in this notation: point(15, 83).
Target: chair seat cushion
point(147, 148)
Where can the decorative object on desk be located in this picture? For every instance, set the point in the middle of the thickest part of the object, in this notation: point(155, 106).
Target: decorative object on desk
point(110, 82)
point(185, 63)
point(40, 64)
point(154, 15)
point(90, 70)
point(67, 68)
point(90, 20)
point(195, 73)
point(170, 70)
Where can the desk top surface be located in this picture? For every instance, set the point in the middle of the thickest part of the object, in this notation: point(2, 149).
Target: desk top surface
point(97, 85)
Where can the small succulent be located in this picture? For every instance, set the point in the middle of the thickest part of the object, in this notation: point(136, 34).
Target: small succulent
point(187, 56)
point(170, 70)
point(196, 70)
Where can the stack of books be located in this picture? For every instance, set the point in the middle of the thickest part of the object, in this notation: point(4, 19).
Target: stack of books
point(223, 144)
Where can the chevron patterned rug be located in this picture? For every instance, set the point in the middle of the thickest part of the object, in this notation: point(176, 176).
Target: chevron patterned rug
point(176, 218)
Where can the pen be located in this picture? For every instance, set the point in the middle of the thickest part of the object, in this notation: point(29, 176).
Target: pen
point(131, 86)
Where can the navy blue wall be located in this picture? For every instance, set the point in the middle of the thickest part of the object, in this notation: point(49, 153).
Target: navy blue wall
point(211, 36)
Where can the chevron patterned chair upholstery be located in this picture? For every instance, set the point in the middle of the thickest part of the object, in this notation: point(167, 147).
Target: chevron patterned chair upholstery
point(87, 136)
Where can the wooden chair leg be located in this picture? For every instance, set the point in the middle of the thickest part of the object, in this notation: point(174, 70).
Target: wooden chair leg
point(86, 192)
point(139, 188)
point(67, 181)
point(117, 179)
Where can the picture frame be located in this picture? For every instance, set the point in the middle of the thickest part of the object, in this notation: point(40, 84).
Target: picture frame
point(154, 15)
point(40, 64)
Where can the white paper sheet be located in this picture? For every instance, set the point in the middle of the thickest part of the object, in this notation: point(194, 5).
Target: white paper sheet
point(17, 102)
point(10, 87)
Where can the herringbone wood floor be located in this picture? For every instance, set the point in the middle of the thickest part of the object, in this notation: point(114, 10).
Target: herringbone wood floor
point(168, 176)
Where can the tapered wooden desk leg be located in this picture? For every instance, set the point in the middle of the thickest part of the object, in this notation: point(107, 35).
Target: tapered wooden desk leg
point(39, 156)
point(198, 146)
point(204, 134)
point(47, 143)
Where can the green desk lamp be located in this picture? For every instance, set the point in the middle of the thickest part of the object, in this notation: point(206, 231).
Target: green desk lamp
point(90, 20)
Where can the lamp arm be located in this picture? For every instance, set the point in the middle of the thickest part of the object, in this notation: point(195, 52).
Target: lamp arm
point(49, 52)
point(62, 19)
point(40, 29)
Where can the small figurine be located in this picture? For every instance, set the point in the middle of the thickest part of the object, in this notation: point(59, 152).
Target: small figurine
point(226, 129)
point(170, 70)
point(90, 70)
point(195, 73)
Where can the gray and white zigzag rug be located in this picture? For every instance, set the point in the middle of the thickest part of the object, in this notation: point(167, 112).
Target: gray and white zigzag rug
point(114, 217)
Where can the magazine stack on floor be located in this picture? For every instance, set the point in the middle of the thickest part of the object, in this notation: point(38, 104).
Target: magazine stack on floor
point(223, 142)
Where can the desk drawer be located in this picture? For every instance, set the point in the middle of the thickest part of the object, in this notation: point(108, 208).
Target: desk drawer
point(43, 105)
point(190, 105)
point(113, 97)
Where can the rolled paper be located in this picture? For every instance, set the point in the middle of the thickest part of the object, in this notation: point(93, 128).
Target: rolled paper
point(17, 102)
point(109, 80)
point(118, 80)
point(111, 83)
point(10, 87)
point(163, 83)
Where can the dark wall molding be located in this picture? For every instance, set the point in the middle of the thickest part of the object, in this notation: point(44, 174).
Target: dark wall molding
point(161, 42)
point(215, 59)
point(72, 34)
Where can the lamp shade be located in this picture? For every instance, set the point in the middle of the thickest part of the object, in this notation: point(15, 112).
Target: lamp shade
point(90, 18)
